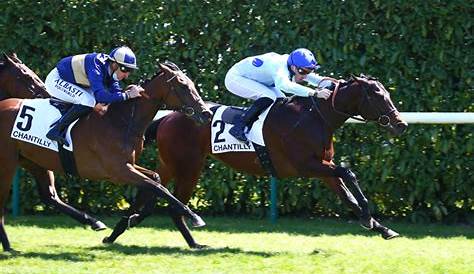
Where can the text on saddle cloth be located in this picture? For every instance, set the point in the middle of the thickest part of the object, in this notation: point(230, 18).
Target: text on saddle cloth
point(33, 121)
point(222, 141)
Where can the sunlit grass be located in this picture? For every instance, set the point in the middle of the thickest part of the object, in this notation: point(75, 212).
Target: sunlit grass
point(238, 245)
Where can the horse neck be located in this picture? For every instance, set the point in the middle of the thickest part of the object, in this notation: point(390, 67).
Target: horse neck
point(133, 116)
point(346, 102)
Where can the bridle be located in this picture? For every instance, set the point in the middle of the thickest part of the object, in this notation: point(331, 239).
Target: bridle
point(383, 119)
point(186, 110)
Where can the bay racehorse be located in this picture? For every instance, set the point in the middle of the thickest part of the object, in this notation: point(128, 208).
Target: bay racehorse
point(299, 136)
point(106, 146)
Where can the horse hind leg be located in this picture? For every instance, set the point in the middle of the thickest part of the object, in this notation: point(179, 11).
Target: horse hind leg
point(47, 190)
point(9, 161)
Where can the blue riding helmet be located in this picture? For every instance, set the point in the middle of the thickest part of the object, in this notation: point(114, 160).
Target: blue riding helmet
point(302, 58)
point(124, 56)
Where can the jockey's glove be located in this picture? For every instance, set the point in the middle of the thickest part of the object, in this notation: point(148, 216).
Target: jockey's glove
point(321, 93)
point(133, 91)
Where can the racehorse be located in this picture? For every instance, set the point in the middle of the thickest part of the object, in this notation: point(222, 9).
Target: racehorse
point(18, 81)
point(110, 142)
point(299, 136)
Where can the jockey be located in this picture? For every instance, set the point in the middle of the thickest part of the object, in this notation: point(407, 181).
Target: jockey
point(263, 78)
point(87, 79)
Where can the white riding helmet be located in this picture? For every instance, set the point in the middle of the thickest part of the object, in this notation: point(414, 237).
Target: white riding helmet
point(124, 56)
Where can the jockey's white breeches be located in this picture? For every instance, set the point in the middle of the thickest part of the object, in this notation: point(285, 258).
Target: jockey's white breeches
point(248, 88)
point(67, 91)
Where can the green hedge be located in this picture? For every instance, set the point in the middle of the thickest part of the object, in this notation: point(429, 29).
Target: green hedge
point(420, 50)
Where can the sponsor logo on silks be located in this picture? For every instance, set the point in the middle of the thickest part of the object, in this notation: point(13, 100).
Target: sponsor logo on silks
point(31, 138)
point(68, 88)
point(231, 147)
point(257, 62)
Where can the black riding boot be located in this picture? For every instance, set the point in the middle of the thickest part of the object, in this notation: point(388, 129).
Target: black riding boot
point(58, 132)
point(249, 116)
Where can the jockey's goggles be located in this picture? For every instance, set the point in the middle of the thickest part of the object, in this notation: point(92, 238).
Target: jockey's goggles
point(304, 71)
point(125, 69)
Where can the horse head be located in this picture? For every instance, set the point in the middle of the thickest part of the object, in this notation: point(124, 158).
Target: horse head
point(177, 92)
point(374, 104)
point(19, 81)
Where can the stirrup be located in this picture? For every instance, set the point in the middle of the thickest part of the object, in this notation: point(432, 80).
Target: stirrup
point(61, 140)
point(238, 133)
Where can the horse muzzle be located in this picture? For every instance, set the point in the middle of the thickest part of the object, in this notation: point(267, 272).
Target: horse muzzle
point(398, 128)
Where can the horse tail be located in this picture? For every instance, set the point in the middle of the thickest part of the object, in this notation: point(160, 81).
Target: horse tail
point(150, 132)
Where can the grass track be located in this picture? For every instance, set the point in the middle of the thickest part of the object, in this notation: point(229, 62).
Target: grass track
point(51, 244)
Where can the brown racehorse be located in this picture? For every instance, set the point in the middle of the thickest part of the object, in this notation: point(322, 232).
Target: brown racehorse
point(19, 81)
point(298, 134)
point(106, 146)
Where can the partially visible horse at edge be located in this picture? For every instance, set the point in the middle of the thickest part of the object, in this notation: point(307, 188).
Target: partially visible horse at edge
point(110, 143)
point(299, 136)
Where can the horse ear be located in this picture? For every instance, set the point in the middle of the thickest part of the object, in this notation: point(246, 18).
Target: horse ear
point(164, 68)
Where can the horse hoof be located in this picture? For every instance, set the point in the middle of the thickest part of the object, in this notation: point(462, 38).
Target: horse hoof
point(197, 221)
point(98, 226)
point(198, 246)
point(389, 234)
point(106, 240)
point(11, 252)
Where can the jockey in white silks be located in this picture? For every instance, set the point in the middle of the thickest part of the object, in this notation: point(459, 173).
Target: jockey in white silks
point(265, 77)
point(87, 79)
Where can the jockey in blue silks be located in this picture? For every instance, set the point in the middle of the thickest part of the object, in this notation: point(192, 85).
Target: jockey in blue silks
point(87, 79)
point(265, 77)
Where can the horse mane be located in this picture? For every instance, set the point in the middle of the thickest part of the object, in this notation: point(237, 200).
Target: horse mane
point(167, 63)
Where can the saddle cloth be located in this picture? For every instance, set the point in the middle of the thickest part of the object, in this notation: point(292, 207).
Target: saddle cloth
point(223, 119)
point(33, 121)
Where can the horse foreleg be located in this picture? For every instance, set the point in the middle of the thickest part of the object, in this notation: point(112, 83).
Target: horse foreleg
point(134, 215)
point(338, 187)
point(132, 176)
point(360, 205)
point(184, 187)
point(48, 195)
point(350, 180)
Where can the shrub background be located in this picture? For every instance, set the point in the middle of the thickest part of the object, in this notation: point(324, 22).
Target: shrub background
point(420, 50)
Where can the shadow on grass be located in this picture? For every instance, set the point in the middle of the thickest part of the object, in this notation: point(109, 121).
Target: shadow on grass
point(61, 256)
point(167, 250)
point(297, 226)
